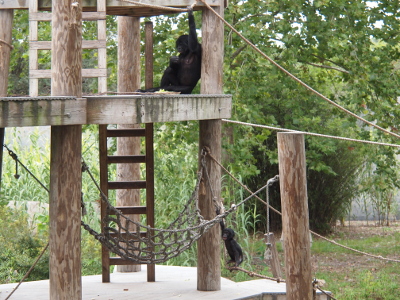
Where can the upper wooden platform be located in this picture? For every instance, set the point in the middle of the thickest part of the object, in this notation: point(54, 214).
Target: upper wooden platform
point(114, 7)
point(133, 109)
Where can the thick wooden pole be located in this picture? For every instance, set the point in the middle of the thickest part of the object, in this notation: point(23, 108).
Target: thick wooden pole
point(295, 220)
point(65, 162)
point(128, 81)
point(209, 265)
point(6, 21)
point(151, 268)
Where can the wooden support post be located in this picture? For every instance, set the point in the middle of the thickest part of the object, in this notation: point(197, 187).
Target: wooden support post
point(65, 162)
point(6, 21)
point(209, 253)
point(128, 81)
point(274, 260)
point(148, 55)
point(151, 268)
point(293, 187)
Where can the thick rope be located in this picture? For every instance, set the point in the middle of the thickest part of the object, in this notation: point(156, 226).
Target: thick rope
point(278, 280)
point(311, 133)
point(29, 271)
point(294, 77)
point(8, 44)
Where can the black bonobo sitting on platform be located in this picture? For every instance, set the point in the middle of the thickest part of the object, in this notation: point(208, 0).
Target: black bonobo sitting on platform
point(184, 70)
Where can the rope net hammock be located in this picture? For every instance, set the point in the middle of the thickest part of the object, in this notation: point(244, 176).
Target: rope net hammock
point(143, 244)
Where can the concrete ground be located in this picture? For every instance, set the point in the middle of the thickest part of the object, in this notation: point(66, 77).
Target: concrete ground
point(171, 283)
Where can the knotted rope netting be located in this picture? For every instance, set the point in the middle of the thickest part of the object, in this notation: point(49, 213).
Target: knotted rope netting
point(143, 244)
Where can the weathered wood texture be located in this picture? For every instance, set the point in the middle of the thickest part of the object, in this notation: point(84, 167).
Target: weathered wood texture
point(105, 253)
point(209, 263)
point(295, 220)
point(148, 54)
point(115, 7)
point(43, 111)
point(6, 21)
point(128, 81)
point(65, 163)
point(65, 214)
point(149, 129)
point(33, 51)
point(274, 260)
point(34, 45)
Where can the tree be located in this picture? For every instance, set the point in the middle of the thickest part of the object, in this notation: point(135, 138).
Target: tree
point(346, 50)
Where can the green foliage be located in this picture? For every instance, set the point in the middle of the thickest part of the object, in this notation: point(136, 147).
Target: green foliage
point(345, 50)
point(20, 247)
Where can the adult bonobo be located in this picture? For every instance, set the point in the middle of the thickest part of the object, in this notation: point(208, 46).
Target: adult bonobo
point(184, 70)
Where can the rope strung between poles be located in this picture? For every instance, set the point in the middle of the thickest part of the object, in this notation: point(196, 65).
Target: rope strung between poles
point(278, 280)
point(294, 77)
point(14, 156)
point(311, 133)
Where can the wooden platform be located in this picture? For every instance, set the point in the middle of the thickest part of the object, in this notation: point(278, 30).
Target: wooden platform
point(171, 283)
point(114, 7)
point(133, 109)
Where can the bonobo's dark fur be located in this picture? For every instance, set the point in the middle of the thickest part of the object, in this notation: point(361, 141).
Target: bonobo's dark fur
point(184, 70)
point(233, 248)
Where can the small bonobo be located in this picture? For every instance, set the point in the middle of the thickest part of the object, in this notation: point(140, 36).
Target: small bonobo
point(233, 248)
point(184, 70)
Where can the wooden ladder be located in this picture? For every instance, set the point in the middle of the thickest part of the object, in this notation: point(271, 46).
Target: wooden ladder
point(35, 45)
point(148, 184)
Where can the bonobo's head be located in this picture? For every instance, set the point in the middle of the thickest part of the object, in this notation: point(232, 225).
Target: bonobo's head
point(182, 43)
point(228, 234)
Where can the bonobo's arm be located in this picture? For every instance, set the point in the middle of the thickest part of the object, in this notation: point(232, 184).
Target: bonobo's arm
point(193, 42)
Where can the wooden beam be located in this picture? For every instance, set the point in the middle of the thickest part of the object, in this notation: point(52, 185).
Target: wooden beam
point(6, 21)
point(65, 162)
point(209, 253)
point(134, 109)
point(295, 220)
point(128, 81)
point(113, 6)
point(149, 147)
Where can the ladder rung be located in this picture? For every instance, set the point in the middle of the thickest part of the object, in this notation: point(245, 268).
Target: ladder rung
point(129, 132)
point(124, 235)
point(40, 16)
point(86, 44)
point(87, 73)
point(93, 15)
point(120, 261)
point(126, 159)
point(132, 210)
point(126, 185)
